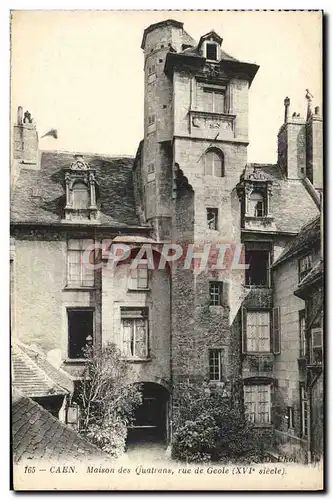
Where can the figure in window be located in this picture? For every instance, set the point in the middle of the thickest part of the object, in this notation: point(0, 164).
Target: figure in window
point(256, 205)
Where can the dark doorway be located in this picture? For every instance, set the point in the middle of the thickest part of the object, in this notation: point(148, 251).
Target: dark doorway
point(150, 419)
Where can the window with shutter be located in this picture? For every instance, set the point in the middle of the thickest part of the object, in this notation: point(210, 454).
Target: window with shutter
point(258, 331)
point(276, 327)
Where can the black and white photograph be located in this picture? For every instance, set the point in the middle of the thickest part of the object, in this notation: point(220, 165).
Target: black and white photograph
point(166, 250)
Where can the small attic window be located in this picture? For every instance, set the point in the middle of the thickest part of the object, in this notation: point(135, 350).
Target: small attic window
point(211, 51)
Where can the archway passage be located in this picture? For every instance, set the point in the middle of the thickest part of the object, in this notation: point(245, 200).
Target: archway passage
point(151, 417)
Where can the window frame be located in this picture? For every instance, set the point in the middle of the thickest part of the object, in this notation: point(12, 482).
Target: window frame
point(248, 274)
point(256, 420)
point(84, 188)
point(214, 167)
point(214, 294)
point(215, 216)
point(145, 317)
point(79, 282)
point(302, 333)
point(291, 417)
point(317, 347)
point(211, 44)
point(134, 278)
point(211, 362)
point(79, 309)
point(304, 411)
point(303, 273)
point(245, 349)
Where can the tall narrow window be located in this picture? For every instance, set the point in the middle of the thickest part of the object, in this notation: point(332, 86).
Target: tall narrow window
point(214, 163)
point(316, 346)
point(257, 400)
point(302, 339)
point(215, 365)
point(290, 416)
point(134, 325)
point(304, 411)
point(81, 196)
point(215, 293)
point(212, 214)
point(80, 331)
point(258, 331)
point(80, 260)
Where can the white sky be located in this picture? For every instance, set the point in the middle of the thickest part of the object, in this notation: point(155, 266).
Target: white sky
point(82, 72)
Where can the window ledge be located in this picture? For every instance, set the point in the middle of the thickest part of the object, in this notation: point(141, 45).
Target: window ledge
point(76, 361)
point(79, 288)
point(263, 426)
point(136, 360)
point(261, 218)
point(269, 354)
point(138, 289)
point(258, 286)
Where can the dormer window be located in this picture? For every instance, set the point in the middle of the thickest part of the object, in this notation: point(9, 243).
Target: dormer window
point(80, 192)
point(211, 51)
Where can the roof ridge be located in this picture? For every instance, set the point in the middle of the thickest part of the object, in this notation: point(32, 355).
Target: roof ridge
point(87, 153)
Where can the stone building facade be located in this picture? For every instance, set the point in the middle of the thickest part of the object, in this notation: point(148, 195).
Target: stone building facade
point(190, 184)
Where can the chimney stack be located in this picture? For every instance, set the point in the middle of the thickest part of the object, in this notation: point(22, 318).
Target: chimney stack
point(291, 144)
point(25, 140)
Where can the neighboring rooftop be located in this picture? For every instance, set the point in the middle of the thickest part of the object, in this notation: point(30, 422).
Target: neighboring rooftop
point(37, 435)
point(34, 376)
point(306, 239)
point(46, 204)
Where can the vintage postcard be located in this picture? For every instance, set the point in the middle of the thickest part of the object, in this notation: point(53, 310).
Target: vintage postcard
point(166, 252)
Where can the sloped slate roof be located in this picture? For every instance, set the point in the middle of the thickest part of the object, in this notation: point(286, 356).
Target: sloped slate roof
point(37, 435)
point(305, 240)
point(34, 376)
point(291, 204)
point(115, 185)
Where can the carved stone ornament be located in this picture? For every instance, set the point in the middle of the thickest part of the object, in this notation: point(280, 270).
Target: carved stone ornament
point(79, 163)
point(258, 175)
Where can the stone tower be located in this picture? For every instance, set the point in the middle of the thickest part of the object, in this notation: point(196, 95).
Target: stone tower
point(193, 153)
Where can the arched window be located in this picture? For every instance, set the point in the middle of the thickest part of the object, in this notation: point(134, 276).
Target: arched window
point(81, 198)
point(214, 163)
point(256, 204)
